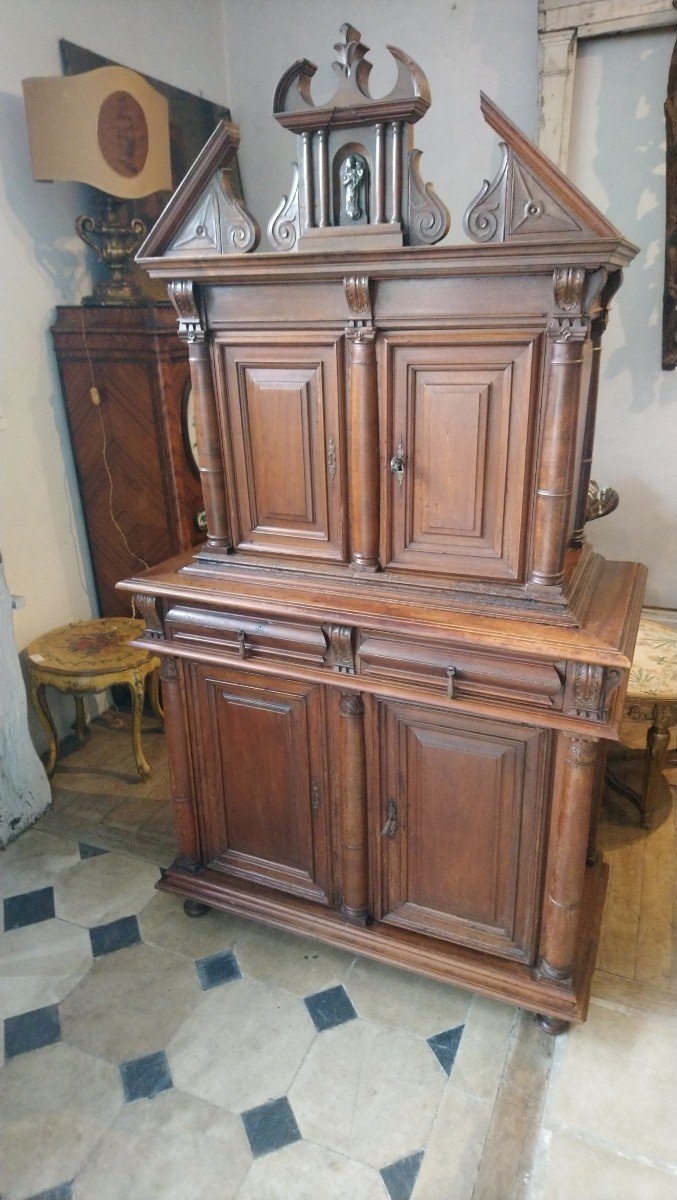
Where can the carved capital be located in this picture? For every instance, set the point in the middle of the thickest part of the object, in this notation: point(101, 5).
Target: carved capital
point(340, 654)
point(567, 329)
point(581, 752)
point(351, 704)
point(146, 606)
point(360, 333)
point(182, 296)
point(169, 671)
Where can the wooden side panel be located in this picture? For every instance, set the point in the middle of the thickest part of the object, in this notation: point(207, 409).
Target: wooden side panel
point(459, 414)
point(466, 799)
point(264, 780)
point(280, 405)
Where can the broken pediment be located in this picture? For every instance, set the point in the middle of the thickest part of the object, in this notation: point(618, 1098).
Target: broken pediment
point(529, 199)
point(204, 216)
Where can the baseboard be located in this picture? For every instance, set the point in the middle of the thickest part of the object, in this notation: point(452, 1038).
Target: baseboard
point(665, 616)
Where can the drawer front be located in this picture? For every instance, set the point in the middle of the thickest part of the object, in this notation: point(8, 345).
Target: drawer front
point(464, 673)
point(245, 635)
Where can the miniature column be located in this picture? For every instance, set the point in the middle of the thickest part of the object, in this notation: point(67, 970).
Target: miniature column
point(354, 809)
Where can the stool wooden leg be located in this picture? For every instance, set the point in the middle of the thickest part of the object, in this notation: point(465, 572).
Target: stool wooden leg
point(39, 702)
point(154, 692)
point(137, 692)
point(80, 719)
point(657, 742)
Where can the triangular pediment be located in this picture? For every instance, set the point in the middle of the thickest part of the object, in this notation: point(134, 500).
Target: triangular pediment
point(530, 199)
point(204, 218)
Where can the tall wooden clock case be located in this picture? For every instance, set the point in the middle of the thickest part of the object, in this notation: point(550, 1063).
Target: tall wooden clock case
point(390, 672)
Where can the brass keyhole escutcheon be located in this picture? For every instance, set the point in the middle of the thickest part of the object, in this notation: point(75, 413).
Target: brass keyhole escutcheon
point(390, 828)
point(397, 464)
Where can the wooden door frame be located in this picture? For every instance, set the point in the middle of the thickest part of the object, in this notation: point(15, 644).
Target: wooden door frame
point(562, 24)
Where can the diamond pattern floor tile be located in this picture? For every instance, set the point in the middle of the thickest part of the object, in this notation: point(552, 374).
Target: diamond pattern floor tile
point(63, 1192)
point(116, 935)
point(145, 1077)
point(31, 1030)
point(87, 851)
point(399, 1178)
point(29, 908)
point(330, 1008)
point(270, 1126)
point(217, 969)
point(445, 1045)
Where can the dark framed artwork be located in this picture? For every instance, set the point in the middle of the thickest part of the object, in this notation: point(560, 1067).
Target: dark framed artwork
point(670, 290)
point(192, 120)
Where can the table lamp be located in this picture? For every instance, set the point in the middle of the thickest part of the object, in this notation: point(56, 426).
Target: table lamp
point(108, 128)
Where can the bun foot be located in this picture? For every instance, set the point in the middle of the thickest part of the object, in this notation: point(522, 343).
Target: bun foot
point(193, 908)
point(552, 1025)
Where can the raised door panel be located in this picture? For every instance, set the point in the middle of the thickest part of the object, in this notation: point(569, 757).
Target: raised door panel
point(264, 780)
point(460, 416)
point(280, 407)
point(464, 799)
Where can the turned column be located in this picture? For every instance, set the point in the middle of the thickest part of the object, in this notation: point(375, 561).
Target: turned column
point(578, 535)
point(573, 788)
point(209, 446)
point(557, 455)
point(354, 846)
point(363, 448)
point(183, 800)
point(192, 330)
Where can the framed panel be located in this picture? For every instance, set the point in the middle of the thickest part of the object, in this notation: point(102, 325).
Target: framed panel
point(458, 414)
point(279, 404)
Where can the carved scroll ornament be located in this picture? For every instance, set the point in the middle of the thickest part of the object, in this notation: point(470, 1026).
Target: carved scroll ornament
point(284, 227)
point(182, 296)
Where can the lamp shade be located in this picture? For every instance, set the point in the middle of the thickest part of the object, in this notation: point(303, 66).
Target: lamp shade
point(108, 128)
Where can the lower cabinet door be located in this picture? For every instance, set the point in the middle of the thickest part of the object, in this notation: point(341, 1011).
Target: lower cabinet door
point(460, 828)
point(263, 780)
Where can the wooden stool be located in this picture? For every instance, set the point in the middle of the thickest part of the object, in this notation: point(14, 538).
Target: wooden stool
point(651, 696)
point(88, 657)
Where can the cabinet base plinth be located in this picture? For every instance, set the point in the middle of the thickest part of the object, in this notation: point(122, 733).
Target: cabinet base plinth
point(503, 979)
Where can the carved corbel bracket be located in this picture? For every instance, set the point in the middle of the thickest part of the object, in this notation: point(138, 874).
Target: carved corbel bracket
point(340, 655)
point(568, 321)
point(357, 290)
point(147, 607)
point(590, 690)
point(191, 322)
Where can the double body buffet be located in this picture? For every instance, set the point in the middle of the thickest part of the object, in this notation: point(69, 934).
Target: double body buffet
point(390, 673)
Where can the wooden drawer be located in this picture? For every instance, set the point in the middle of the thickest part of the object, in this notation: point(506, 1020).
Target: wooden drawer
point(464, 673)
point(244, 635)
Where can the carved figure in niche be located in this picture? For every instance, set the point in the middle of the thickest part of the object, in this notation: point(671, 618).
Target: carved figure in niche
point(352, 180)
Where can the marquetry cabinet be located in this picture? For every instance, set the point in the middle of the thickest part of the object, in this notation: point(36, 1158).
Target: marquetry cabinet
point(391, 671)
point(125, 382)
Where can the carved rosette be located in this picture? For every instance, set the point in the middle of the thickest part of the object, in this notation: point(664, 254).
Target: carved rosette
point(183, 297)
point(340, 653)
point(284, 227)
point(146, 606)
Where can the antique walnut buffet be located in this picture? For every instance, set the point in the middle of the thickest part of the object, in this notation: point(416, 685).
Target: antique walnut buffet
point(390, 673)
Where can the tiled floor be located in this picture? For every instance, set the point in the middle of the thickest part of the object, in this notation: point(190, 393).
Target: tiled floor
point(148, 1056)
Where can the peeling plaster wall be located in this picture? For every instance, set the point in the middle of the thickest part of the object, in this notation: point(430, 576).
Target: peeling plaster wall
point(617, 157)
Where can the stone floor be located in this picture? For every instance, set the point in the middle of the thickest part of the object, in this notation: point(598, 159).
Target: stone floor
point(152, 1057)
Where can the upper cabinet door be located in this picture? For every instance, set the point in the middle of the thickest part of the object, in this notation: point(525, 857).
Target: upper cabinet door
point(457, 417)
point(280, 414)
